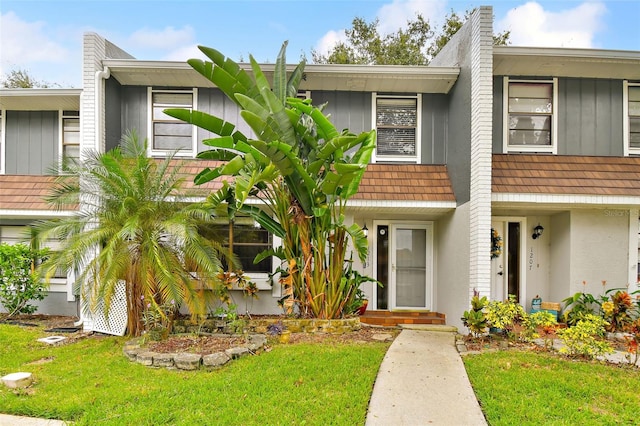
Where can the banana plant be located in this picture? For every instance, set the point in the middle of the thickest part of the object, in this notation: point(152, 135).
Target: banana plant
point(298, 165)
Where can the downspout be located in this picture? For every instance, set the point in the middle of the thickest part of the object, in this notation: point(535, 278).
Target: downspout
point(100, 75)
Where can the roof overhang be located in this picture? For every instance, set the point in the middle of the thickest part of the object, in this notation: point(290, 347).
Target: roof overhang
point(369, 78)
point(552, 203)
point(426, 210)
point(561, 62)
point(40, 99)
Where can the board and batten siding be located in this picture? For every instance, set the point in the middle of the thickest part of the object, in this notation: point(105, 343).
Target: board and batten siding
point(127, 109)
point(31, 142)
point(589, 116)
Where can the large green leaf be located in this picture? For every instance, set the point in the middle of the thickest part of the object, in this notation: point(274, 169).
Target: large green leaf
point(280, 75)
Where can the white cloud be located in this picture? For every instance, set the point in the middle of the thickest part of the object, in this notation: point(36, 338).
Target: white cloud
point(23, 44)
point(330, 39)
point(531, 25)
point(183, 53)
point(168, 38)
point(395, 15)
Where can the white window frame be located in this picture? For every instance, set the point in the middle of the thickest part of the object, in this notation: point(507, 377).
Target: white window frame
point(626, 128)
point(61, 144)
point(375, 158)
point(194, 131)
point(553, 148)
point(304, 94)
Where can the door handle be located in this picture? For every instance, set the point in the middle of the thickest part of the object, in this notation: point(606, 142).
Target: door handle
point(501, 273)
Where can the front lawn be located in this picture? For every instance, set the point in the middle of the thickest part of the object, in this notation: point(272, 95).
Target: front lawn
point(91, 382)
point(526, 388)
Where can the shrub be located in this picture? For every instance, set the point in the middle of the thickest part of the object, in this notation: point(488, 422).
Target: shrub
point(578, 306)
point(585, 339)
point(19, 284)
point(475, 319)
point(505, 315)
point(542, 321)
point(617, 311)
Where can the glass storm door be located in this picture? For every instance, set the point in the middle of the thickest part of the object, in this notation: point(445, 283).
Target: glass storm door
point(411, 266)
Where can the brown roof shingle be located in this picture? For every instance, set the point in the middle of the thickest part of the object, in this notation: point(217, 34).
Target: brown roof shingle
point(381, 182)
point(25, 192)
point(566, 174)
point(405, 182)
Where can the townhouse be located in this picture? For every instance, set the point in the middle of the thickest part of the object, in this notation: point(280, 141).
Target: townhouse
point(498, 169)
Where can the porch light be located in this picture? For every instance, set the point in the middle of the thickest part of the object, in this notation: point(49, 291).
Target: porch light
point(537, 232)
point(365, 230)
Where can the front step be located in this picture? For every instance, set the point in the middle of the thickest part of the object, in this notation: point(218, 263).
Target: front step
point(394, 318)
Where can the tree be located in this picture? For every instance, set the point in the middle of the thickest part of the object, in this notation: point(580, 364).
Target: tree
point(301, 169)
point(416, 44)
point(21, 79)
point(134, 226)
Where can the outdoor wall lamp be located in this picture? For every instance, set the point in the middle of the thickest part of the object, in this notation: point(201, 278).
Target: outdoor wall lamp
point(537, 232)
point(365, 230)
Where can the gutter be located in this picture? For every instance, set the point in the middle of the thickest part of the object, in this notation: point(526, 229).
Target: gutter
point(100, 75)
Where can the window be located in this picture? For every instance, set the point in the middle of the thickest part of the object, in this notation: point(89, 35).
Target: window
point(71, 135)
point(530, 116)
point(632, 117)
point(169, 134)
point(246, 240)
point(397, 123)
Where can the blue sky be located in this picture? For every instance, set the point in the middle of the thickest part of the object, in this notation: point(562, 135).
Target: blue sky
point(45, 37)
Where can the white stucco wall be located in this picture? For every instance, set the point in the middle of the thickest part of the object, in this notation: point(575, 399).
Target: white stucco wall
point(452, 274)
point(599, 249)
point(537, 260)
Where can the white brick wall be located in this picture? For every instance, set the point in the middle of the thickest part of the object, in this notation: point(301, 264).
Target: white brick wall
point(481, 123)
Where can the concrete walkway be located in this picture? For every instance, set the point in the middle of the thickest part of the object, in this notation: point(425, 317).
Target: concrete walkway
point(7, 420)
point(422, 381)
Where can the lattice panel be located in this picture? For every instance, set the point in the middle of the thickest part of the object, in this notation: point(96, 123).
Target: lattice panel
point(116, 322)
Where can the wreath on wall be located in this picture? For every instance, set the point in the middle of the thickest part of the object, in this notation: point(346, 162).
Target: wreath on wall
point(496, 244)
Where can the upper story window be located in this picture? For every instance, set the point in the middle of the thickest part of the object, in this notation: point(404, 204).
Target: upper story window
point(70, 139)
point(169, 134)
point(631, 126)
point(397, 124)
point(530, 115)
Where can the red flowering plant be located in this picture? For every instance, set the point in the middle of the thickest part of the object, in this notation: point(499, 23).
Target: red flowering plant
point(618, 310)
point(633, 341)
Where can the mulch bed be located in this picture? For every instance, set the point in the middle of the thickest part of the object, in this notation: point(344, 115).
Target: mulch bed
point(209, 343)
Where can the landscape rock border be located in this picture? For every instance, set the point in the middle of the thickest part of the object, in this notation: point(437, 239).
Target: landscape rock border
point(135, 351)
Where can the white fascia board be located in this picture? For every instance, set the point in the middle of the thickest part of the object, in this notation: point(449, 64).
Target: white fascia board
point(559, 52)
point(596, 200)
point(397, 204)
point(391, 70)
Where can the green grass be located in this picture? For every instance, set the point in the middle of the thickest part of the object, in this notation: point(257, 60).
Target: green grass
point(91, 382)
point(527, 388)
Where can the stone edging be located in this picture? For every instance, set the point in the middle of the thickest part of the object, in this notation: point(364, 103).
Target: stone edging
point(192, 361)
point(260, 325)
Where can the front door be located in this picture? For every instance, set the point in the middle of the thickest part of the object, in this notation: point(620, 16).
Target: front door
point(411, 266)
point(506, 259)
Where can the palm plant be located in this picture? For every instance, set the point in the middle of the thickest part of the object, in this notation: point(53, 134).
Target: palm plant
point(133, 227)
point(298, 165)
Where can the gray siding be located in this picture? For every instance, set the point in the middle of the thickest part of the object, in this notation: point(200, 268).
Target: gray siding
point(352, 110)
point(435, 122)
point(127, 110)
point(589, 117)
point(216, 103)
point(32, 142)
point(133, 114)
point(347, 110)
point(113, 114)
